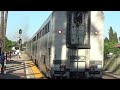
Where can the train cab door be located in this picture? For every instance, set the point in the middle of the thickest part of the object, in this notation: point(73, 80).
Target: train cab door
point(78, 39)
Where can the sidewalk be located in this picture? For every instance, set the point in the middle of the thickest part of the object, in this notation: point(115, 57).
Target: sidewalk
point(22, 68)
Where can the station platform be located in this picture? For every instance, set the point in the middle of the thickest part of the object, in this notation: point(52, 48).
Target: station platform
point(21, 68)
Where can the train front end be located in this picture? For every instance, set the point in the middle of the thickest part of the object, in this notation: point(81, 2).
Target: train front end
point(85, 43)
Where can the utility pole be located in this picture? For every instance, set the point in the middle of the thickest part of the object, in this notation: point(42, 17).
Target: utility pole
point(2, 32)
point(4, 15)
point(3, 24)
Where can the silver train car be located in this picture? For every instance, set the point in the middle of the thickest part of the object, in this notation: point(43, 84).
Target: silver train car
point(69, 44)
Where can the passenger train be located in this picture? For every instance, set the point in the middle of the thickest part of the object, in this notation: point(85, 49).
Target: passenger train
point(69, 44)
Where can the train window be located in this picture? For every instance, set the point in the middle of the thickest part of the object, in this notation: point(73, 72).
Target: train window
point(43, 31)
point(78, 29)
point(45, 28)
point(35, 38)
point(40, 33)
point(37, 35)
point(48, 25)
point(78, 18)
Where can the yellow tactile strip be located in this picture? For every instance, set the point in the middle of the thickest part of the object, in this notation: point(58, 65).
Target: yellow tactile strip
point(36, 72)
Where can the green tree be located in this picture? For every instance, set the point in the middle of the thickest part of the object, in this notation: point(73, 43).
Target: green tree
point(115, 37)
point(106, 39)
point(119, 38)
point(111, 35)
point(108, 47)
point(14, 43)
point(9, 44)
point(111, 42)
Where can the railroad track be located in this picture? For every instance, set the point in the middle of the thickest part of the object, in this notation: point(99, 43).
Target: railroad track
point(109, 76)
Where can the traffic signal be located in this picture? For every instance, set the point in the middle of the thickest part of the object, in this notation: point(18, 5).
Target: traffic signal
point(20, 41)
point(20, 31)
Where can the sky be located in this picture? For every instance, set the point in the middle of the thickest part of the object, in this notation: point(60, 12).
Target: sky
point(28, 21)
point(111, 18)
point(31, 21)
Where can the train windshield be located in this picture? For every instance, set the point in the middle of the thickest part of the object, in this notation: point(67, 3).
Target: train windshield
point(78, 29)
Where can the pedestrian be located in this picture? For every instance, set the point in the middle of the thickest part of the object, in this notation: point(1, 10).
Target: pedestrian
point(19, 54)
point(2, 59)
point(8, 56)
point(10, 53)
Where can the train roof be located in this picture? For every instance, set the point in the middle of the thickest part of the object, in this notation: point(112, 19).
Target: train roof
point(46, 21)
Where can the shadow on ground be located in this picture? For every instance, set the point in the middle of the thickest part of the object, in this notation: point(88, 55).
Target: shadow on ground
point(13, 62)
point(10, 76)
point(18, 66)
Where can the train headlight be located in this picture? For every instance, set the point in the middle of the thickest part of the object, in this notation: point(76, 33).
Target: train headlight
point(96, 32)
point(60, 31)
